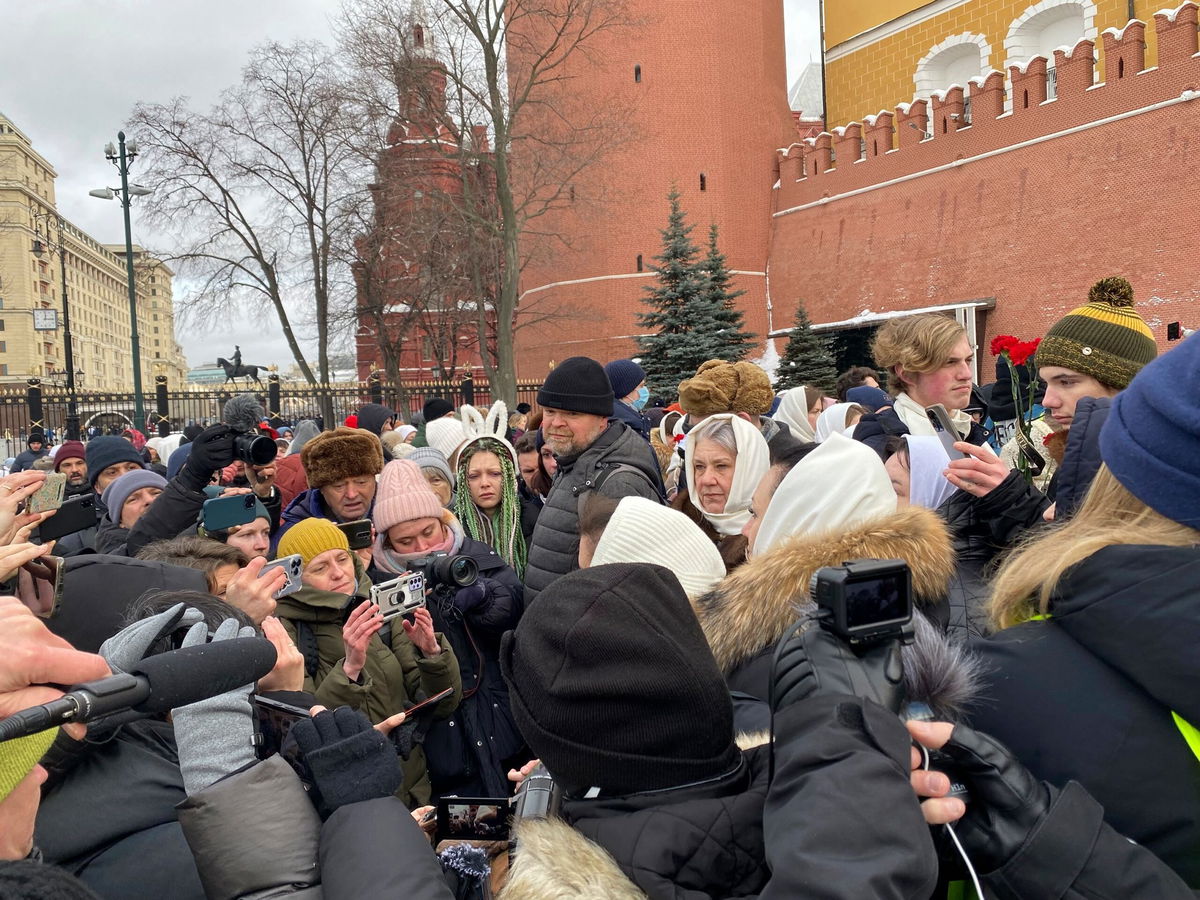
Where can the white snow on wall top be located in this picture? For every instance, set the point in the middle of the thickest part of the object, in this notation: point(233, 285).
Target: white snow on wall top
point(1170, 14)
point(1119, 33)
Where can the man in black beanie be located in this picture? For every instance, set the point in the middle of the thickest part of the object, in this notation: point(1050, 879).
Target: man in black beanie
point(593, 454)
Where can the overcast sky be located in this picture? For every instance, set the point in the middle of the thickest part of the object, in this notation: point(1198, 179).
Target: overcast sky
point(73, 69)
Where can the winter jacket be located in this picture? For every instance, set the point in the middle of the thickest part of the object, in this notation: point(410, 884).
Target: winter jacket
point(749, 610)
point(874, 429)
point(631, 417)
point(25, 460)
point(395, 675)
point(470, 751)
point(290, 478)
point(109, 806)
point(1088, 695)
point(173, 512)
point(1081, 459)
point(554, 550)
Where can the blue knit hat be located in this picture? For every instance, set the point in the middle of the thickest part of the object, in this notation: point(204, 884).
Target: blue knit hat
point(108, 450)
point(624, 375)
point(1151, 441)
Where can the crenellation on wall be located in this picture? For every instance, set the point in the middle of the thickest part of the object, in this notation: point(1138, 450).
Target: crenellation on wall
point(896, 142)
point(847, 143)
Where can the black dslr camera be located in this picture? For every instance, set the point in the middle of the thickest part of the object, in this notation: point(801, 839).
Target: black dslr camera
point(442, 569)
point(254, 449)
point(864, 601)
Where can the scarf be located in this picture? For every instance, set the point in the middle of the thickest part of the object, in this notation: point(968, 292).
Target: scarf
point(751, 463)
point(833, 420)
point(793, 412)
point(395, 563)
point(912, 414)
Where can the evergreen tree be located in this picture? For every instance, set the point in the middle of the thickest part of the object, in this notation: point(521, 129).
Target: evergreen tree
point(688, 323)
point(807, 359)
point(736, 341)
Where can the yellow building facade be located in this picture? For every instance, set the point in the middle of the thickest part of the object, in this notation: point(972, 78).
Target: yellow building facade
point(97, 289)
point(880, 53)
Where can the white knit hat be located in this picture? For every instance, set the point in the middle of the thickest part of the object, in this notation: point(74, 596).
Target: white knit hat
point(643, 531)
point(446, 435)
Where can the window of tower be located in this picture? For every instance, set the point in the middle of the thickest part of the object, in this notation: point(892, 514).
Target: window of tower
point(703, 182)
point(639, 262)
point(637, 74)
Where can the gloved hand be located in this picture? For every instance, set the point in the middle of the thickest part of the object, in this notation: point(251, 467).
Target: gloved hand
point(1006, 804)
point(469, 597)
point(214, 736)
point(129, 646)
point(211, 450)
point(810, 660)
point(347, 759)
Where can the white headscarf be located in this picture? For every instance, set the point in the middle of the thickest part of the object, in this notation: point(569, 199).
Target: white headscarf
point(645, 531)
point(840, 484)
point(793, 412)
point(927, 459)
point(752, 462)
point(833, 420)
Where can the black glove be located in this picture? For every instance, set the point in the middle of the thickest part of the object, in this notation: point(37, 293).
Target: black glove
point(347, 760)
point(469, 597)
point(810, 660)
point(211, 450)
point(1007, 802)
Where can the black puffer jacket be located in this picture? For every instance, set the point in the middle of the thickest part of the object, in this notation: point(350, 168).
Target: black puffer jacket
point(874, 429)
point(1081, 459)
point(554, 550)
point(1088, 695)
point(173, 512)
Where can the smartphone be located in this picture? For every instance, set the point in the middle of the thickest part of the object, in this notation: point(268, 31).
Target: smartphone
point(294, 566)
point(49, 495)
point(74, 515)
point(944, 429)
point(275, 720)
point(427, 702)
point(222, 513)
point(473, 818)
point(40, 583)
point(358, 533)
point(400, 596)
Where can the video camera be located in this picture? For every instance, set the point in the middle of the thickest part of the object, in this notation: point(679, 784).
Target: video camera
point(402, 595)
point(864, 601)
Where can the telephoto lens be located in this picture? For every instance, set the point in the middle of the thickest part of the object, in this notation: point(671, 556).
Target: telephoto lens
point(442, 568)
point(254, 449)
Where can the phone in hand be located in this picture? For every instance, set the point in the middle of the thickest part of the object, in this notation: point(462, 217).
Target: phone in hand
point(275, 719)
point(77, 514)
point(49, 495)
point(223, 513)
point(40, 585)
point(473, 819)
point(358, 533)
point(427, 702)
point(944, 428)
point(294, 566)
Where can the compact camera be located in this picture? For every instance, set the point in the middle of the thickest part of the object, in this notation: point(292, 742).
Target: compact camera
point(864, 600)
point(441, 569)
point(400, 596)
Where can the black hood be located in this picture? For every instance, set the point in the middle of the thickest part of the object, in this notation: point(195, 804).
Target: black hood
point(1136, 608)
point(372, 416)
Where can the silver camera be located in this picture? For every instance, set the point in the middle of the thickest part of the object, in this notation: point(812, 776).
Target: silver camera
point(400, 596)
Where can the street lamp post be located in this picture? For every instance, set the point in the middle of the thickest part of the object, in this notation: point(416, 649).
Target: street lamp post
point(61, 249)
point(121, 156)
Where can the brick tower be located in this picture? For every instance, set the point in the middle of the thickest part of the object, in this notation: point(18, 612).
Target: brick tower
point(705, 88)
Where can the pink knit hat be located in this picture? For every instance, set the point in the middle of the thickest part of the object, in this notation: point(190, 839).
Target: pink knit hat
point(404, 495)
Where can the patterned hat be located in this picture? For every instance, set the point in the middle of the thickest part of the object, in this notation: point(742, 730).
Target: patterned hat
point(1105, 338)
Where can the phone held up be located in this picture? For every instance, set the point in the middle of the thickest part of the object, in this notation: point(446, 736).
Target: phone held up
point(223, 513)
point(50, 495)
point(944, 428)
point(358, 533)
point(294, 566)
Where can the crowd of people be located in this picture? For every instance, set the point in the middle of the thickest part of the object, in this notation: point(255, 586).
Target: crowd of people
point(621, 614)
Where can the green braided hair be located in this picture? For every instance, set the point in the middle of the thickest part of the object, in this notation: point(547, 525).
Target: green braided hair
point(502, 531)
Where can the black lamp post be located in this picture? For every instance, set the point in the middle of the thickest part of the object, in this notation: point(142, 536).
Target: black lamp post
point(122, 156)
point(41, 245)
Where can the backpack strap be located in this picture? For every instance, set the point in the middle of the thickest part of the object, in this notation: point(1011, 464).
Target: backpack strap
point(606, 470)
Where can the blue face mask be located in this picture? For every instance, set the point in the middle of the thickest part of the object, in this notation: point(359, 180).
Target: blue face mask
point(642, 397)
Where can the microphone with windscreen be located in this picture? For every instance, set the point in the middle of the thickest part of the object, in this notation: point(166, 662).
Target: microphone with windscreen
point(155, 685)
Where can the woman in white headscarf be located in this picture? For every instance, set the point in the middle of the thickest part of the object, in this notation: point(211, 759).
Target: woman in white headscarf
point(838, 419)
point(726, 458)
point(798, 410)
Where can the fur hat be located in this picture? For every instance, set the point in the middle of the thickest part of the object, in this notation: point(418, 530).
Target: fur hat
point(343, 453)
point(1105, 338)
point(445, 435)
point(404, 495)
point(612, 683)
point(721, 387)
point(310, 538)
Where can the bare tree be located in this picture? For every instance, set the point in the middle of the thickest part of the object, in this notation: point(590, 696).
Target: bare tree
point(508, 65)
point(256, 190)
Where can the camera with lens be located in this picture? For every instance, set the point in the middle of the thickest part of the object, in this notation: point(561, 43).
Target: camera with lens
point(864, 601)
point(442, 569)
point(254, 449)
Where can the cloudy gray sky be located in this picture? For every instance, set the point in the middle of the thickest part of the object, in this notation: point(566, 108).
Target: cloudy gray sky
point(73, 69)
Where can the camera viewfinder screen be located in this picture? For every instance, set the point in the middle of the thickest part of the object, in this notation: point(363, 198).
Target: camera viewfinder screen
point(881, 599)
point(476, 821)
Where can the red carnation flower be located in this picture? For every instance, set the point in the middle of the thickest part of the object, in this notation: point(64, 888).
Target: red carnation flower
point(1023, 351)
point(1003, 343)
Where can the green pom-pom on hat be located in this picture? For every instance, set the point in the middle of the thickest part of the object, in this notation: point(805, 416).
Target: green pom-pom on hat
point(1114, 291)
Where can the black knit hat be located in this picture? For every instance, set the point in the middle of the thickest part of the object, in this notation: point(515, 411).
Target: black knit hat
point(613, 685)
point(435, 408)
point(578, 384)
point(108, 450)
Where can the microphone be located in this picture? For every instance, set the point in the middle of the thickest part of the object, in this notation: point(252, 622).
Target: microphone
point(243, 412)
point(155, 685)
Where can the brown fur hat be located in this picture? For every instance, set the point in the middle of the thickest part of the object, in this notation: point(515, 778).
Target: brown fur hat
point(721, 387)
point(342, 453)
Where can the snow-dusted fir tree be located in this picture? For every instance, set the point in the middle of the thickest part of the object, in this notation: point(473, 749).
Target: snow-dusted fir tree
point(688, 322)
point(807, 359)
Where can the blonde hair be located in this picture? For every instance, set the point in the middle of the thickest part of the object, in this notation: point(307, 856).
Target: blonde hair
point(920, 343)
point(1110, 516)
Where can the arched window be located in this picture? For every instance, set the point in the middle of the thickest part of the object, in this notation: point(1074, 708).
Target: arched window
point(703, 182)
point(639, 262)
point(956, 60)
point(637, 74)
point(1046, 26)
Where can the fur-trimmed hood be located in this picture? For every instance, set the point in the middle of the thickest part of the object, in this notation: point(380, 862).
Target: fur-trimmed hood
point(749, 610)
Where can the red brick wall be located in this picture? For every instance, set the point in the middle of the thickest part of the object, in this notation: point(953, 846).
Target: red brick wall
point(1033, 226)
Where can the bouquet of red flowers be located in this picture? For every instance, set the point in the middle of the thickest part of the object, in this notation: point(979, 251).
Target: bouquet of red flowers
point(1016, 353)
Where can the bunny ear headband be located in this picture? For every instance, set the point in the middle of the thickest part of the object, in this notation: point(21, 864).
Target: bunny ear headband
point(494, 427)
